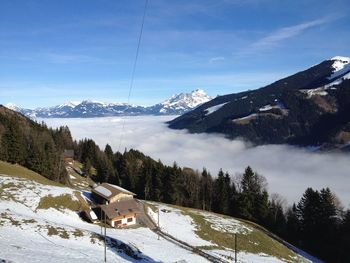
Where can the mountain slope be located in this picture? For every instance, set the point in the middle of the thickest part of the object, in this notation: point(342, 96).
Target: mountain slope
point(306, 108)
point(176, 105)
point(34, 230)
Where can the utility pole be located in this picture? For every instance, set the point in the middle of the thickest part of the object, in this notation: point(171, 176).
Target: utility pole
point(235, 248)
point(158, 223)
point(105, 237)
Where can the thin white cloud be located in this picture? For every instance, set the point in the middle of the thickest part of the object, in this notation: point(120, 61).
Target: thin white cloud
point(284, 33)
point(289, 170)
point(216, 59)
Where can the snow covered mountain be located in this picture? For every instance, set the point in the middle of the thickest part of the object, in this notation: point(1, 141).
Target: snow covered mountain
point(176, 105)
point(181, 103)
point(310, 107)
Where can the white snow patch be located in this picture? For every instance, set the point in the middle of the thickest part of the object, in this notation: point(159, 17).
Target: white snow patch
point(93, 215)
point(212, 109)
point(245, 117)
point(267, 107)
point(341, 65)
point(181, 226)
point(226, 225)
point(312, 92)
point(103, 191)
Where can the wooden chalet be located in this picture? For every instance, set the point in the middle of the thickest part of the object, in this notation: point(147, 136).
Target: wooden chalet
point(108, 193)
point(68, 156)
point(121, 213)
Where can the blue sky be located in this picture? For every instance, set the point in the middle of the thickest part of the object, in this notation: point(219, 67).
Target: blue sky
point(55, 51)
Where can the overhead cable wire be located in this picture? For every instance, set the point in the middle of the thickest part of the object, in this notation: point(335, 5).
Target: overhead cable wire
point(133, 71)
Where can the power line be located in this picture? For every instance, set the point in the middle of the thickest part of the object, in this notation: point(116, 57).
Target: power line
point(133, 70)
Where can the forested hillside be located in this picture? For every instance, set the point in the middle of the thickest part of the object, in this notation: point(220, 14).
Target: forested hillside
point(33, 145)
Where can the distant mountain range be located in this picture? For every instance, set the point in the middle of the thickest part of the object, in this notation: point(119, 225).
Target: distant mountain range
point(176, 105)
point(311, 107)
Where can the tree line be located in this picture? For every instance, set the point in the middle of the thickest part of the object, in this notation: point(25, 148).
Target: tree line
point(33, 145)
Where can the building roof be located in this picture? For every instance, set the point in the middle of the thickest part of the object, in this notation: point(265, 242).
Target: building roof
point(68, 154)
point(120, 208)
point(108, 191)
point(91, 215)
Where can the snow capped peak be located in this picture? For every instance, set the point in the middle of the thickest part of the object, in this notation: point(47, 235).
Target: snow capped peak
point(341, 58)
point(340, 62)
point(187, 100)
point(71, 104)
point(12, 106)
point(199, 92)
point(177, 104)
point(341, 66)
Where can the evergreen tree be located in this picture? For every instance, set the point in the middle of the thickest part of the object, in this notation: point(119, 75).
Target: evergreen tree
point(218, 192)
point(253, 199)
point(226, 195)
point(292, 225)
point(109, 152)
point(206, 192)
point(87, 168)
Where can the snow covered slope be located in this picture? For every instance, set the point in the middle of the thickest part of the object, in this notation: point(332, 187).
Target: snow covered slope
point(39, 221)
point(32, 232)
point(216, 233)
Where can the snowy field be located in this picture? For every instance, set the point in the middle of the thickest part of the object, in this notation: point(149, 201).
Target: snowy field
point(31, 233)
point(25, 231)
point(289, 170)
point(183, 227)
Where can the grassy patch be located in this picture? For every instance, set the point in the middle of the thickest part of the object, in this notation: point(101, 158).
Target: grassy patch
point(77, 165)
point(78, 233)
point(22, 172)
point(151, 206)
point(64, 201)
point(6, 217)
point(94, 238)
point(57, 231)
point(5, 191)
point(83, 204)
point(254, 242)
point(28, 221)
point(59, 202)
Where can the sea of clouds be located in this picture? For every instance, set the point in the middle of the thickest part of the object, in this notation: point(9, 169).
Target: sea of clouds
point(288, 170)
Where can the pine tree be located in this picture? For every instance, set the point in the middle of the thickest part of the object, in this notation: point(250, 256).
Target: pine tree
point(109, 152)
point(226, 195)
point(292, 225)
point(253, 199)
point(217, 193)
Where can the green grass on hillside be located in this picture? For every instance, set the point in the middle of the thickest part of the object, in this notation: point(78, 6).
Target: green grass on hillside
point(63, 202)
point(22, 172)
point(254, 242)
point(78, 181)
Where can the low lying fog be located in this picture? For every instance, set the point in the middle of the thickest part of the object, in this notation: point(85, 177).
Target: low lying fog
point(289, 170)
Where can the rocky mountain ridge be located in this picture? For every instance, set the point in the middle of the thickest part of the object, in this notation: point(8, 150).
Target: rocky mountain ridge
point(176, 105)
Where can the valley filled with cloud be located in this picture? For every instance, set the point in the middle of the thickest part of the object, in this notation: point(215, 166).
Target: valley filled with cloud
point(289, 170)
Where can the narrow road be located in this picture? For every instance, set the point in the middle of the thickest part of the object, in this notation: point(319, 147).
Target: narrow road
point(147, 221)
